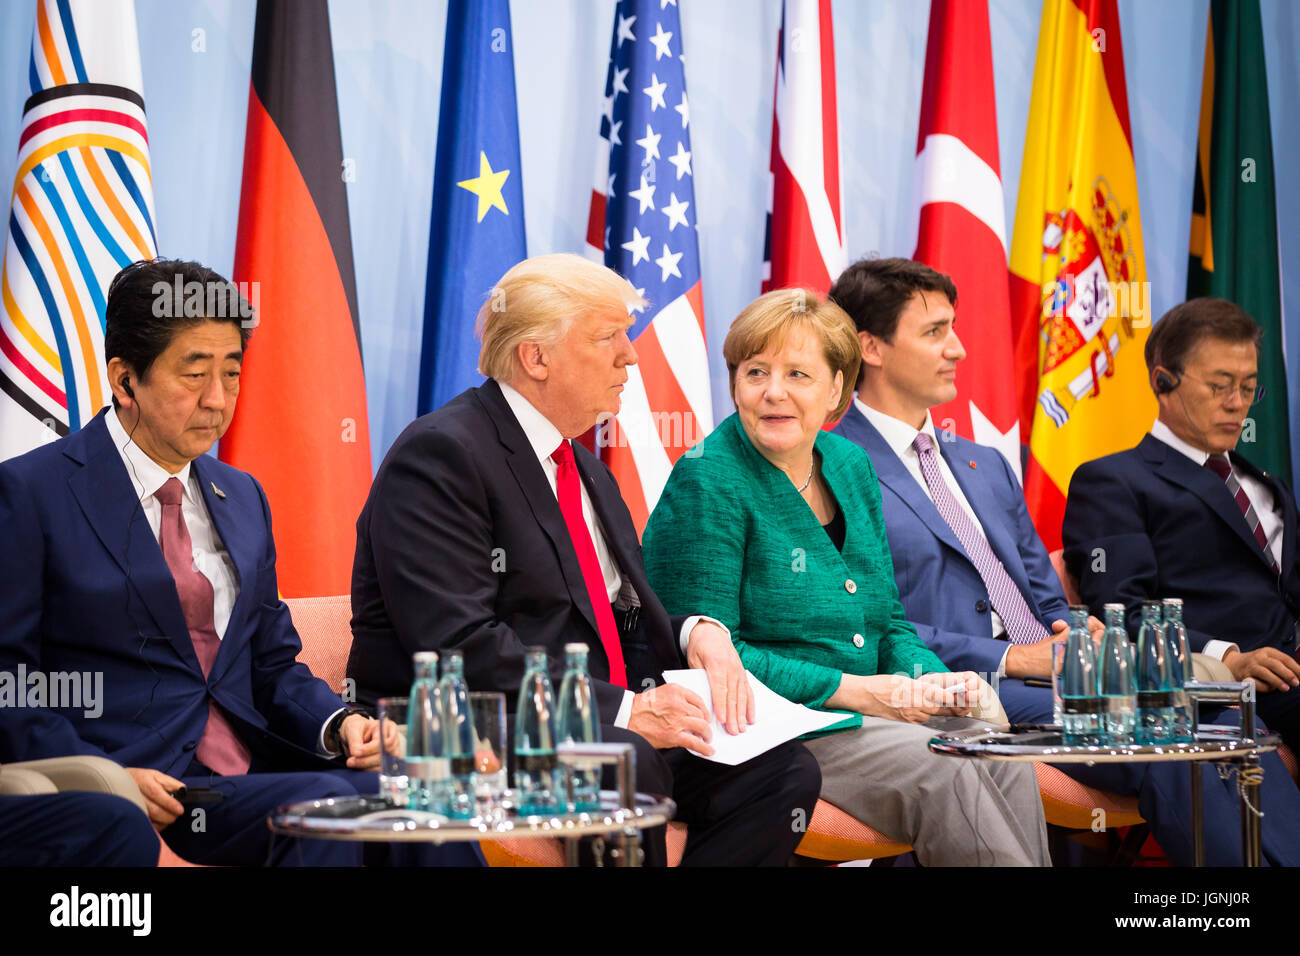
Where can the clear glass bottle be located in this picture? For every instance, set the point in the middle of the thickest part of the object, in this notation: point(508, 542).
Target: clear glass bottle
point(1155, 679)
point(1118, 681)
point(1080, 700)
point(1176, 637)
point(535, 790)
point(427, 766)
point(578, 721)
point(460, 736)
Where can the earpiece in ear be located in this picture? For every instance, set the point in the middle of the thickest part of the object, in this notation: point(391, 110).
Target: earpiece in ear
point(1165, 383)
point(126, 387)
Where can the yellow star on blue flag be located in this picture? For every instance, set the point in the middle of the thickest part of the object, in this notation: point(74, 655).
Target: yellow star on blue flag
point(487, 187)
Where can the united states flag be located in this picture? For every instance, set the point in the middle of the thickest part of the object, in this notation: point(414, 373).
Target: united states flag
point(642, 225)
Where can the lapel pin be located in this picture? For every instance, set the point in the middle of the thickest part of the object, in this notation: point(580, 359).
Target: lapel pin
point(222, 495)
point(972, 464)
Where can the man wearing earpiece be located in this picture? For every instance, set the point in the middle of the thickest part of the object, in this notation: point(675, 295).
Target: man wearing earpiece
point(1184, 515)
point(130, 553)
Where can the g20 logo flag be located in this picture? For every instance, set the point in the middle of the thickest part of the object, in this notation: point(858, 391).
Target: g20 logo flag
point(82, 210)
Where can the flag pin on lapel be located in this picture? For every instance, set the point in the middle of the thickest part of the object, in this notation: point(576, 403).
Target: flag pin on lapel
point(972, 464)
point(222, 495)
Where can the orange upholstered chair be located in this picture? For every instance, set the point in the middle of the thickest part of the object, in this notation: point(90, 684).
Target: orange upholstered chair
point(324, 626)
point(835, 837)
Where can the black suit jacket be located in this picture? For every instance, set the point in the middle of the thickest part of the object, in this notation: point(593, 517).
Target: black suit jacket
point(1148, 523)
point(462, 544)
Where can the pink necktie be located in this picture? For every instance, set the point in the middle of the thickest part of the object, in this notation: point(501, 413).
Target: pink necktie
point(220, 748)
point(569, 491)
point(1023, 627)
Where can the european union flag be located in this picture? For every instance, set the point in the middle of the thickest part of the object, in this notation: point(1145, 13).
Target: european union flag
point(476, 231)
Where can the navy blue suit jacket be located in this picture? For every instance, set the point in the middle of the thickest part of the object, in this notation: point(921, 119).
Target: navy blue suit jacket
point(941, 590)
point(1148, 523)
point(86, 589)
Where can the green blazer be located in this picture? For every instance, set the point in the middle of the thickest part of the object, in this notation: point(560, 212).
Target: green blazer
point(732, 538)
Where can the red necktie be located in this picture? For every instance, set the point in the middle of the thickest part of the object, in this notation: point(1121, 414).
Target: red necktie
point(568, 489)
point(220, 748)
point(1220, 465)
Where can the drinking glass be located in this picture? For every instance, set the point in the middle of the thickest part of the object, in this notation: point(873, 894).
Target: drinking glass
point(393, 782)
point(488, 709)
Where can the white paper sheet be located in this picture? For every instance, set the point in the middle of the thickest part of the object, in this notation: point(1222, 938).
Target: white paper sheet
point(777, 719)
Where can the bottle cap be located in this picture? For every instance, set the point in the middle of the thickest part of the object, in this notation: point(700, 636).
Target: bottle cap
point(1079, 607)
point(536, 649)
point(1113, 607)
point(1154, 604)
point(426, 657)
point(575, 648)
point(453, 655)
point(1173, 602)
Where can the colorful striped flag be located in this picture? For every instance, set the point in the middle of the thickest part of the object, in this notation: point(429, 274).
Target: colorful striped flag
point(643, 194)
point(805, 220)
point(301, 427)
point(963, 229)
point(1080, 302)
point(476, 231)
point(82, 210)
point(1234, 251)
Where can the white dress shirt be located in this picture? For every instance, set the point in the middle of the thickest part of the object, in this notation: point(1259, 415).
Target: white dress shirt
point(544, 437)
point(210, 556)
point(1261, 499)
point(899, 436)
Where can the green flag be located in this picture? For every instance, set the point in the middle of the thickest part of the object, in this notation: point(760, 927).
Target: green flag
point(1234, 212)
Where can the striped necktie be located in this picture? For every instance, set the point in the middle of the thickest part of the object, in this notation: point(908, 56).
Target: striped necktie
point(1023, 626)
point(1220, 465)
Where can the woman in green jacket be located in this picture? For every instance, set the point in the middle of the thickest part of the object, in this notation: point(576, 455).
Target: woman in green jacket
point(773, 526)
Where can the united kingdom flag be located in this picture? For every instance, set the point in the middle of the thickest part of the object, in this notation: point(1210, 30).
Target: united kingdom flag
point(642, 225)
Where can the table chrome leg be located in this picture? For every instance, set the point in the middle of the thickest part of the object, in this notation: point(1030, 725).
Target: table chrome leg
point(1198, 813)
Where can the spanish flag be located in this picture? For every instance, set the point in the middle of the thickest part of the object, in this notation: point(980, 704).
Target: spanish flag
point(1079, 298)
point(301, 426)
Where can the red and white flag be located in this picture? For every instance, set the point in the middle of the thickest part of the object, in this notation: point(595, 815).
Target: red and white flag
point(805, 221)
point(963, 229)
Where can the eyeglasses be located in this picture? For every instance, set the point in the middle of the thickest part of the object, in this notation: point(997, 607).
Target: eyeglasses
point(1250, 394)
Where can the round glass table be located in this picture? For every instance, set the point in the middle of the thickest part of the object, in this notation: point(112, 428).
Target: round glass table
point(623, 814)
point(1220, 746)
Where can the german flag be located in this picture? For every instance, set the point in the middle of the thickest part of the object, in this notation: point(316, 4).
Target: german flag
point(301, 426)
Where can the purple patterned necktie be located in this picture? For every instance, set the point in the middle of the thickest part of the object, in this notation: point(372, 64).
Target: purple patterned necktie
point(1220, 465)
point(1023, 626)
point(220, 748)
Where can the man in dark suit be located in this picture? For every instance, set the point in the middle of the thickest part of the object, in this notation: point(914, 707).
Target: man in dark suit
point(972, 573)
point(1185, 515)
point(132, 558)
point(489, 530)
point(74, 829)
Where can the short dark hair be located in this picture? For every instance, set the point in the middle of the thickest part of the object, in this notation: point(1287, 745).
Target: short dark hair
point(1186, 324)
point(874, 292)
point(151, 300)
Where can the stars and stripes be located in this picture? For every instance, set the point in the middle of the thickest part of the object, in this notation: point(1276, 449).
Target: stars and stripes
point(805, 221)
point(643, 225)
point(82, 209)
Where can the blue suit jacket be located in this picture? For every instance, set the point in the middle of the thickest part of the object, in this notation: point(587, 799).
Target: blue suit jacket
point(941, 591)
point(86, 589)
point(1148, 523)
